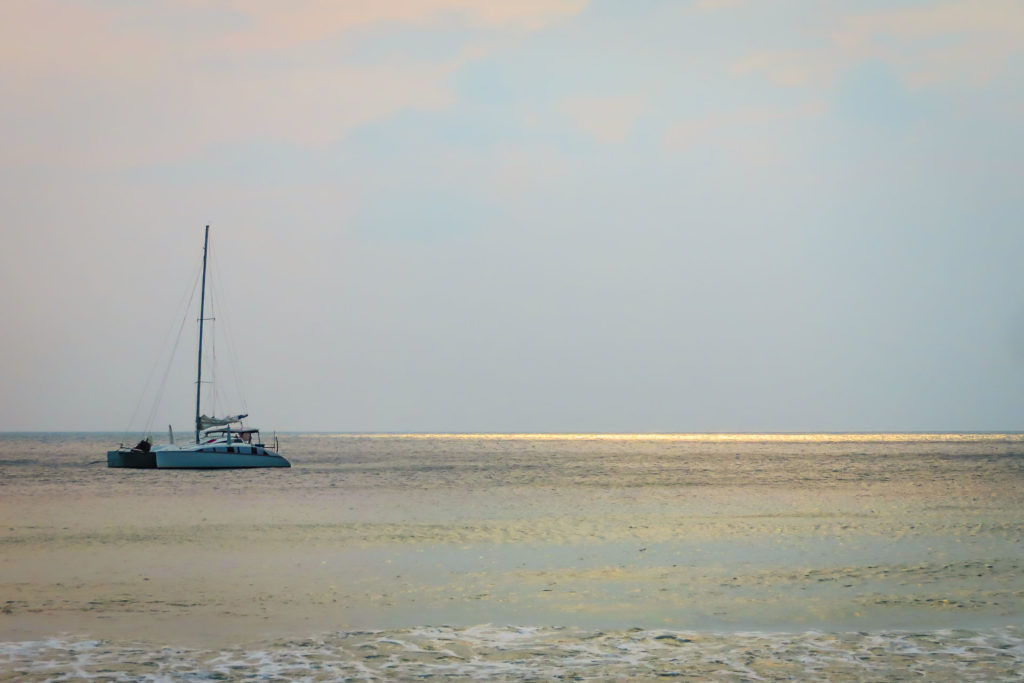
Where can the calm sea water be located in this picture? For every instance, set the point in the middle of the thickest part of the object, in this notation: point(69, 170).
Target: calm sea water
point(714, 557)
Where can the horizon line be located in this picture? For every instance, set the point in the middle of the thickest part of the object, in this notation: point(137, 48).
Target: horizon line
point(609, 434)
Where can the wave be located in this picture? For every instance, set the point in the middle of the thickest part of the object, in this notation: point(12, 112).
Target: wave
point(517, 653)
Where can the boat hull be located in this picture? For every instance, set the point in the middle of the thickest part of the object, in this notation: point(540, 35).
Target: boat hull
point(197, 458)
point(218, 458)
point(133, 458)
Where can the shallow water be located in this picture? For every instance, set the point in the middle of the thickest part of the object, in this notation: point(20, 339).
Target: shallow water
point(863, 557)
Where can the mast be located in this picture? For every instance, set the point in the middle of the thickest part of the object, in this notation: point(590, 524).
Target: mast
point(202, 306)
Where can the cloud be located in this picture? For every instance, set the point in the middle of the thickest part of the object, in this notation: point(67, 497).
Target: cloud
point(709, 5)
point(791, 68)
point(111, 85)
point(721, 127)
point(607, 119)
point(275, 25)
point(959, 42)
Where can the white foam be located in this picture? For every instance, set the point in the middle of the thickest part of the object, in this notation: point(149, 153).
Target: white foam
point(494, 652)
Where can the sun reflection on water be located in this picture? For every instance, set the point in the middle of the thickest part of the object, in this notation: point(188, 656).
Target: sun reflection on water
point(822, 437)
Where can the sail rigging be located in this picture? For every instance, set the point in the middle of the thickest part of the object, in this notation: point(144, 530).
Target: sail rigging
point(217, 444)
point(165, 357)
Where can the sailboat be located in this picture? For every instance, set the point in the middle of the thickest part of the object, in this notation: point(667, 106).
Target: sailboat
point(217, 445)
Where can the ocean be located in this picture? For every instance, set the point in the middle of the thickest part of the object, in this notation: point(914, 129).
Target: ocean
point(519, 557)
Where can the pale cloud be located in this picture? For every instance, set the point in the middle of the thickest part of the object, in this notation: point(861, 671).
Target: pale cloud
point(523, 170)
point(961, 42)
point(190, 111)
point(790, 68)
point(708, 5)
point(719, 128)
point(276, 25)
point(607, 119)
point(160, 82)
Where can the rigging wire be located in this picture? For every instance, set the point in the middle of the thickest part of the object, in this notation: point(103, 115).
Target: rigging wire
point(187, 295)
point(215, 289)
point(163, 381)
point(223, 296)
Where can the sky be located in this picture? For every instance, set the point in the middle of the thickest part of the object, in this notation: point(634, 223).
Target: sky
point(532, 216)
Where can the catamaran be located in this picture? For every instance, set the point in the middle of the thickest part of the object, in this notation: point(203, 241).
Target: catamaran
point(217, 445)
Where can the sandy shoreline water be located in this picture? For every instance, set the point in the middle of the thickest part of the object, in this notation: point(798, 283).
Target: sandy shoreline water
point(604, 535)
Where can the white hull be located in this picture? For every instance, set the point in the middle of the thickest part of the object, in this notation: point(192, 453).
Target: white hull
point(217, 457)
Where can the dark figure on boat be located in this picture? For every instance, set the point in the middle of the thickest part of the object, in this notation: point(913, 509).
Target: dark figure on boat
point(142, 446)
